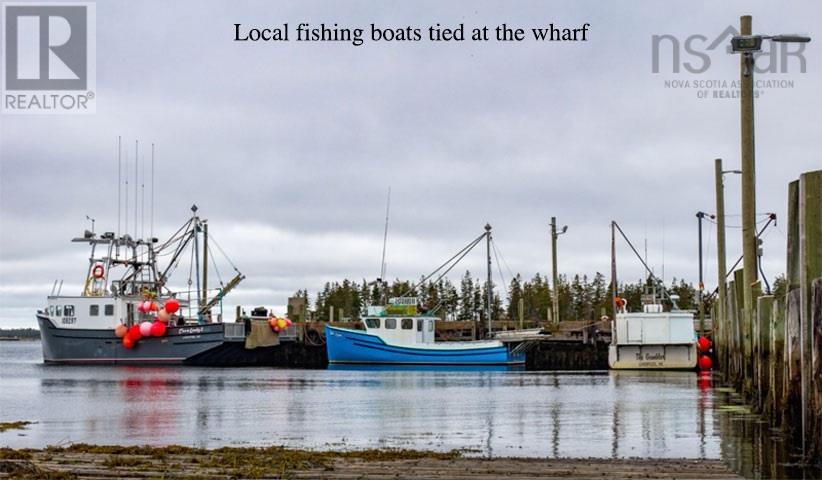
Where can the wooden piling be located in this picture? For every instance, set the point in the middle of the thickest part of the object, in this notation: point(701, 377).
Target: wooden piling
point(792, 400)
point(777, 361)
point(810, 268)
point(816, 403)
point(743, 323)
point(733, 332)
point(764, 313)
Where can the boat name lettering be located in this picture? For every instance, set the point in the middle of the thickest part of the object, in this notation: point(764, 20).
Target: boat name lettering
point(650, 356)
point(69, 320)
point(190, 330)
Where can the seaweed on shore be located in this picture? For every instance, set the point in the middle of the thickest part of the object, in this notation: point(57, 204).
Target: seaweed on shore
point(20, 425)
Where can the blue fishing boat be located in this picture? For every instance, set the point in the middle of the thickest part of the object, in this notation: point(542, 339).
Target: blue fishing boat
point(405, 338)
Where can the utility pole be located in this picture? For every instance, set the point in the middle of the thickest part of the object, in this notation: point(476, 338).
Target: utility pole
point(749, 259)
point(718, 316)
point(554, 235)
point(555, 300)
point(488, 281)
point(699, 297)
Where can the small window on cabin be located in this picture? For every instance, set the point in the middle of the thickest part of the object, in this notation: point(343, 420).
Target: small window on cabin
point(419, 325)
point(51, 310)
point(390, 323)
point(407, 324)
point(109, 310)
point(68, 311)
point(58, 311)
point(94, 310)
point(372, 322)
point(430, 325)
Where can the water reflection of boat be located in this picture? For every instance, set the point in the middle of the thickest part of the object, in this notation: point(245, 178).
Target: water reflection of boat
point(396, 335)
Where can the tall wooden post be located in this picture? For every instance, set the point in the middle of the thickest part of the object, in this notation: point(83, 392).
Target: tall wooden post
point(810, 268)
point(719, 318)
point(792, 385)
point(749, 262)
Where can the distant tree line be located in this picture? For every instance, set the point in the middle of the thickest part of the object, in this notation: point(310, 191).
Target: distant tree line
point(580, 297)
point(26, 333)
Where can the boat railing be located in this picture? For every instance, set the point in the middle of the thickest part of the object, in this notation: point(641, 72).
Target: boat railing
point(234, 330)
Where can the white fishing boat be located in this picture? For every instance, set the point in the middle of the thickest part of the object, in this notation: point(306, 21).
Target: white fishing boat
point(653, 338)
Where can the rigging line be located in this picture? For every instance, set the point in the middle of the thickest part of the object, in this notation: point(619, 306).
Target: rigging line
point(214, 264)
point(650, 273)
point(510, 272)
point(499, 267)
point(170, 240)
point(211, 238)
point(454, 264)
point(466, 248)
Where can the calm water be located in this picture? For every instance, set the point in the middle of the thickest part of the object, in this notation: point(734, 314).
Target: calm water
point(500, 413)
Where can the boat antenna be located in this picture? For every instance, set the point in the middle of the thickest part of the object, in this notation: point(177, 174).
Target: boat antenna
point(151, 221)
point(136, 183)
point(385, 241)
point(125, 210)
point(119, 178)
point(143, 200)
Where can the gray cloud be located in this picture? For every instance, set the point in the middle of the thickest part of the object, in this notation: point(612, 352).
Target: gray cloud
point(289, 149)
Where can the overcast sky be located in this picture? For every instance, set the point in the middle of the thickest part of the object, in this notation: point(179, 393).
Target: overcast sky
point(289, 148)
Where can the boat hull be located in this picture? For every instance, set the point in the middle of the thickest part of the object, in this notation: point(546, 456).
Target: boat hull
point(180, 345)
point(355, 347)
point(653, 357)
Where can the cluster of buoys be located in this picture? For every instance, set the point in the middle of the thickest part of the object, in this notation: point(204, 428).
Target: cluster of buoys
point(279, 324)
point(704, 346)
point(157, 328)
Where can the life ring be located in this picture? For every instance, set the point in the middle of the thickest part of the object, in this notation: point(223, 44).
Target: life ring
point(97, 272)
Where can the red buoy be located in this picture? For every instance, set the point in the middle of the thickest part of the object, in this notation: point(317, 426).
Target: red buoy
point(704, 344)
point(705, 362)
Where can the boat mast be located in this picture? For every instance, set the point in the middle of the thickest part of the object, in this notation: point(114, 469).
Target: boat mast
point(196, 259)
point(205, 266)
point(614, 290)
point(488, 281)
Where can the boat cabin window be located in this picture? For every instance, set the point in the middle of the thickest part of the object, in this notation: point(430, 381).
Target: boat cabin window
point(94, 310)
point(68, 310)
point(419, 325)
point(391, 323)
point(430, 325)
point(58, 311)
point(407, 323)
point(109, 310)
point(51, 310)
point(372, 322)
